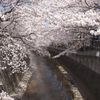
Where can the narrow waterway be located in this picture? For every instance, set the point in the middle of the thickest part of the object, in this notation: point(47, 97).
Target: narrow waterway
point(46, 82)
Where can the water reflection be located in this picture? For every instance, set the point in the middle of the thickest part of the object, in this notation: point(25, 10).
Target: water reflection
point(47, 83)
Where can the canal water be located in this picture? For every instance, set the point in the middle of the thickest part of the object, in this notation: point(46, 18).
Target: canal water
point(46, 82)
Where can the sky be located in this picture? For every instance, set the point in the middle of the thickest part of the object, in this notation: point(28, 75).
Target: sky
point(0, 7)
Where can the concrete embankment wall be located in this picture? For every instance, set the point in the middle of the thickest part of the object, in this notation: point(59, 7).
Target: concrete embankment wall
point(87, 68)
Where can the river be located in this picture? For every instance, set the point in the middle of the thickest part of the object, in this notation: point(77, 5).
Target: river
point(46, 82)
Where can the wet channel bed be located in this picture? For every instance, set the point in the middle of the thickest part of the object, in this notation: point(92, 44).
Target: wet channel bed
point(46, 82)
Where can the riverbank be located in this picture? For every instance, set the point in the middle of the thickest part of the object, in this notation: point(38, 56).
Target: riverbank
point(72, 83)
point(21, 88)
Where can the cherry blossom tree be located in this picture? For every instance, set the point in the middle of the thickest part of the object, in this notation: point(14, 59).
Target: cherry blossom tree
point(12, 54)
point(35, 25)
point(47, 22)
point(5, 96)
point(40, 23)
